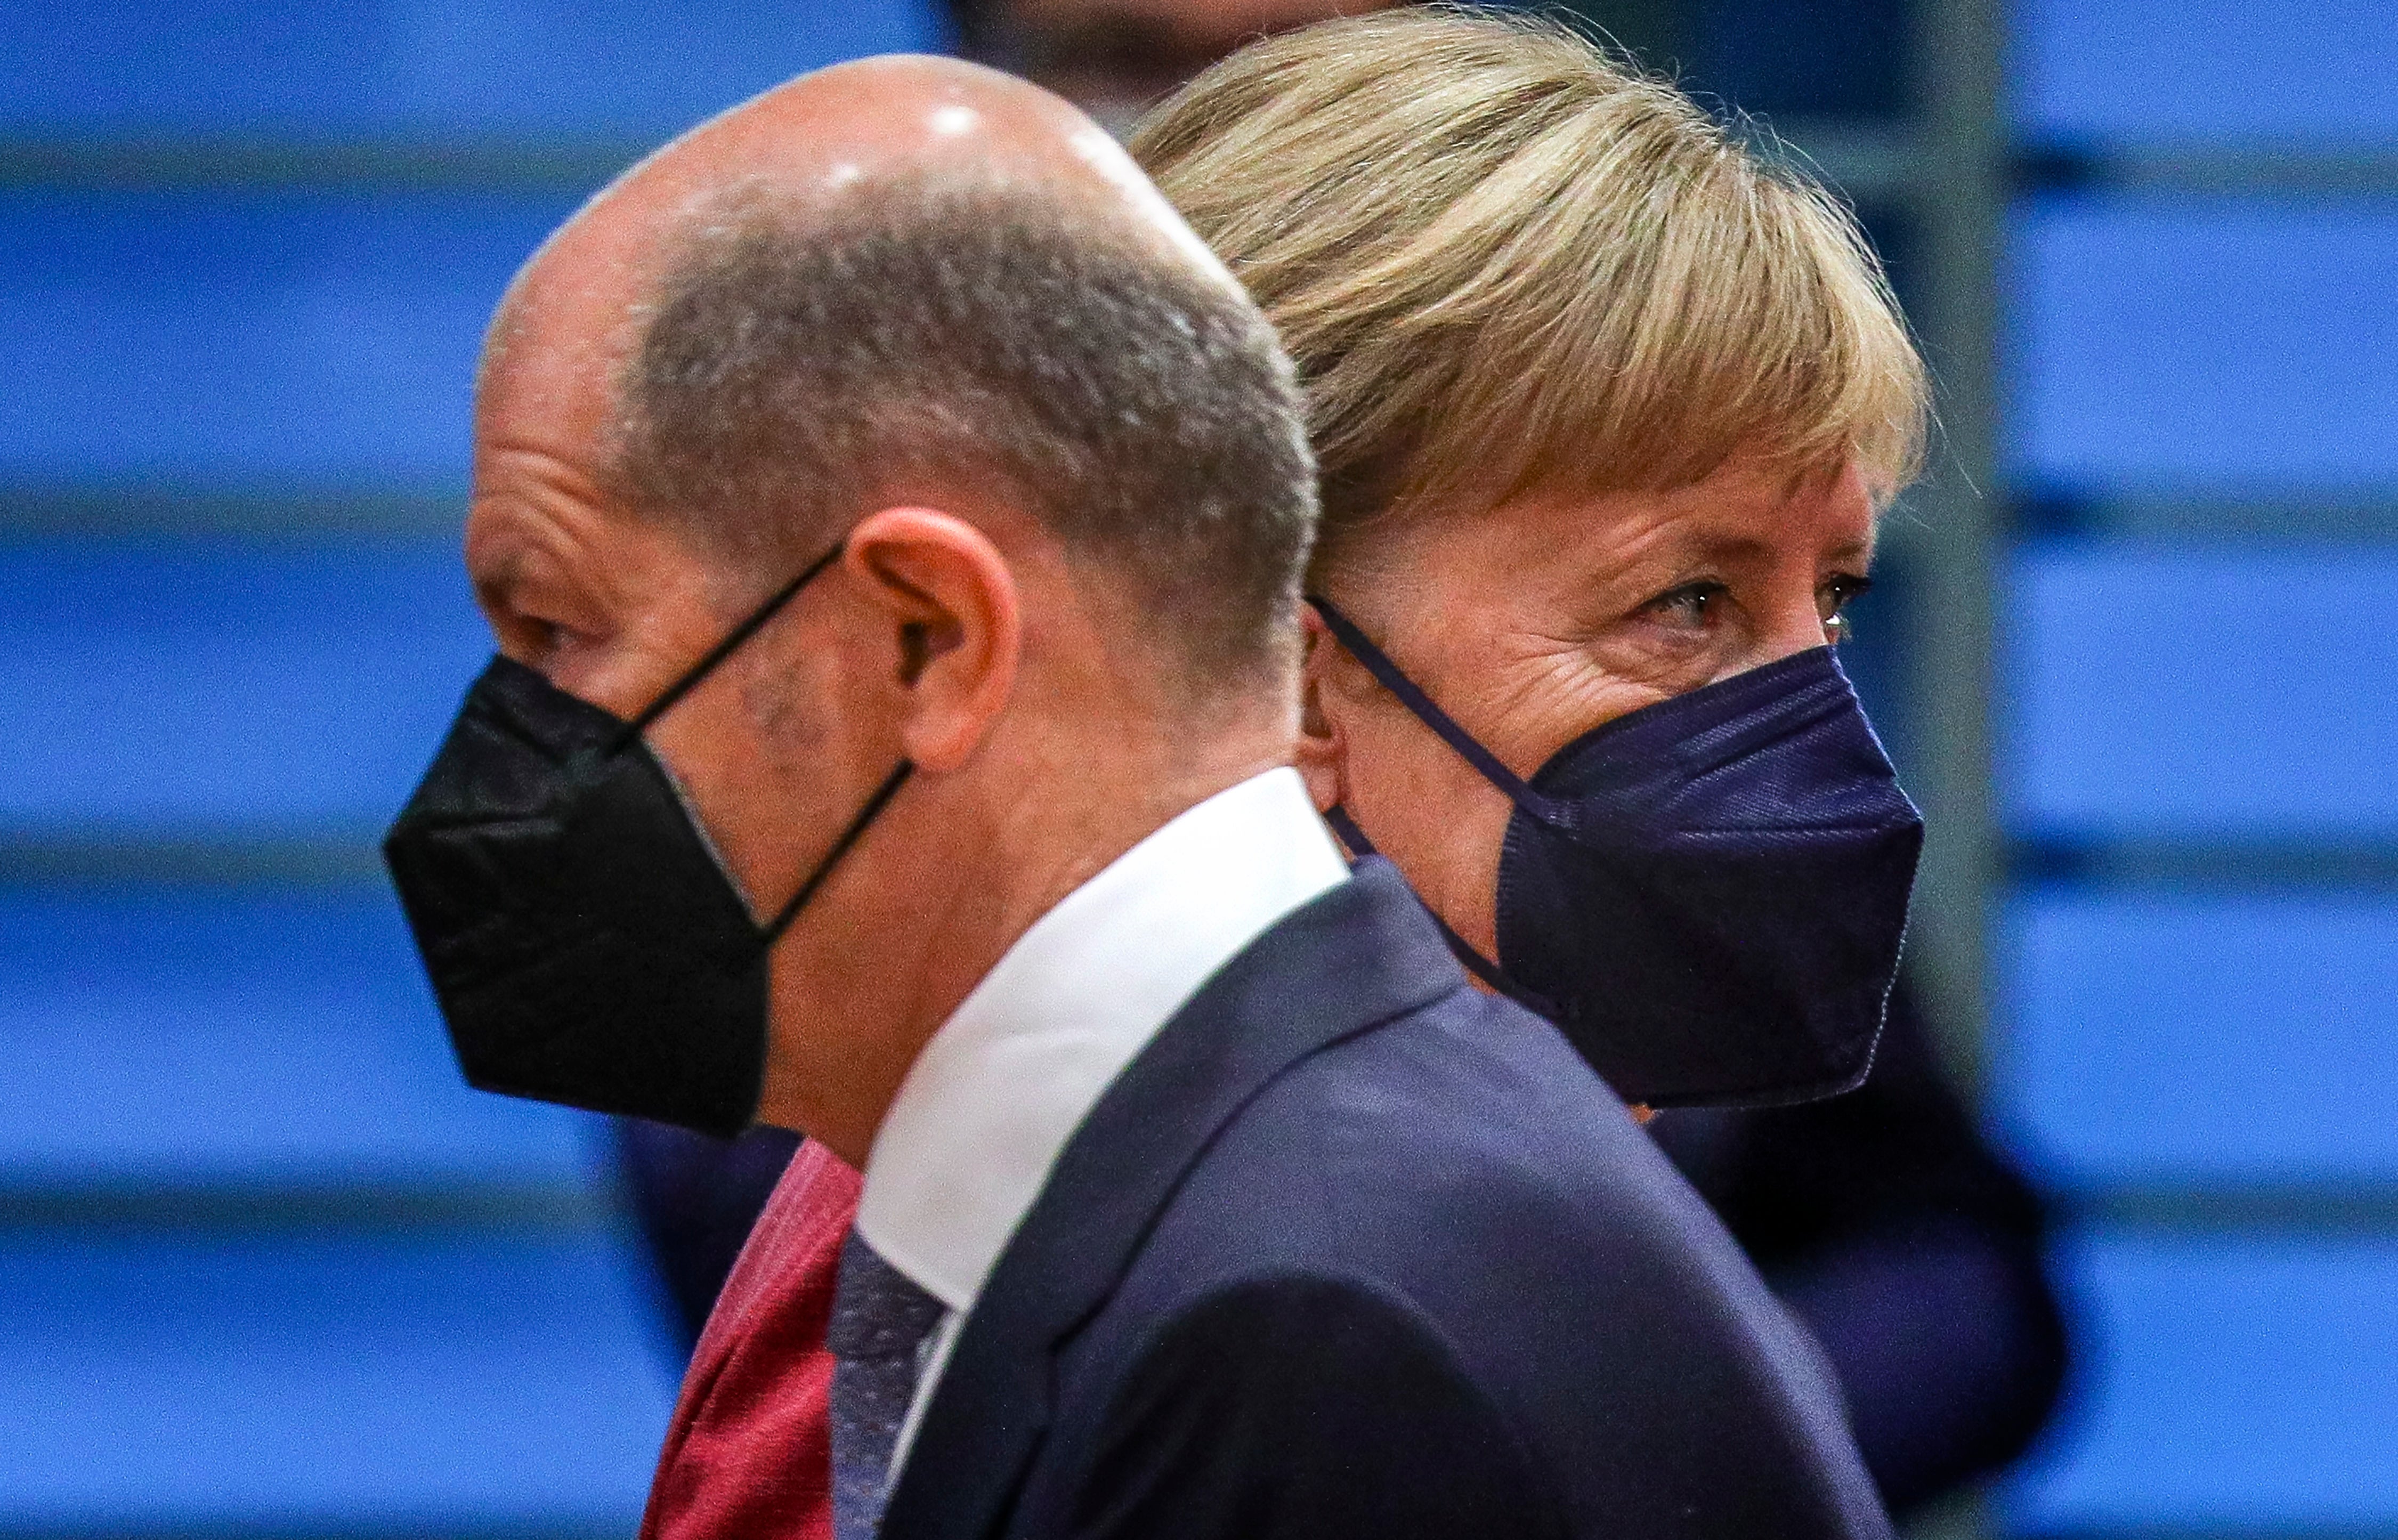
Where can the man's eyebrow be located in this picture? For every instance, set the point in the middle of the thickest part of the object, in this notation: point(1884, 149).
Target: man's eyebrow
point(495, 564)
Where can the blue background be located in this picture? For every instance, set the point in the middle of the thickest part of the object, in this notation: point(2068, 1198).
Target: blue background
point(2195, 1046)
point(268, 1266)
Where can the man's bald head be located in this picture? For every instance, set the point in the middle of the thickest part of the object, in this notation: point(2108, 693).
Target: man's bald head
point(899, 116)
point(909, 278)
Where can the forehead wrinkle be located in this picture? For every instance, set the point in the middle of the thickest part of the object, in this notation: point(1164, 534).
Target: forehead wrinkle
point(1738, 548)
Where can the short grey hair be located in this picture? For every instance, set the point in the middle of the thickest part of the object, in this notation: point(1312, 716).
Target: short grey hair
point(798, 364)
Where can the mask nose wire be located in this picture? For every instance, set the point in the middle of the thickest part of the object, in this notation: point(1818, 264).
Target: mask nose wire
point(1387, 674)
point(722, 650)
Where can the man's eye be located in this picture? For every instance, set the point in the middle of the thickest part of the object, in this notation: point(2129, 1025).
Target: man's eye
point(1692, 604)
point(530, 639)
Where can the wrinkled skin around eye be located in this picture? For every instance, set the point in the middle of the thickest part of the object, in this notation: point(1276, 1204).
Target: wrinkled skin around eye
point(1533, 621)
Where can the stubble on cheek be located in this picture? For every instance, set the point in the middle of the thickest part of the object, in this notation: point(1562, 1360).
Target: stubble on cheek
point(792, 731)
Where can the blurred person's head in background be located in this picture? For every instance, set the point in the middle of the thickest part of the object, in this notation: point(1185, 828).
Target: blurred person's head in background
point(888, 513)
point(1606, 406)
point(1114, 58)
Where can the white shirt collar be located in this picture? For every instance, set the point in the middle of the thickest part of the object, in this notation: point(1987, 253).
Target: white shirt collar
point(999, 1089)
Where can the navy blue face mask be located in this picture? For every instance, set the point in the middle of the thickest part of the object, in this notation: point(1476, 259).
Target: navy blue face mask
point(1708, 896)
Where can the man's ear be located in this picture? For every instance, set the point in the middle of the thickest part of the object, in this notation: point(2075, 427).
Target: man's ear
point(1323, 754)
point(956, 625)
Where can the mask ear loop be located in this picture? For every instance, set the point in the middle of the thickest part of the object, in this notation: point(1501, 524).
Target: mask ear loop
point(722, 650)
point(850, 836)
point(1387, 674)
point(1463, 949)
point(699, 670)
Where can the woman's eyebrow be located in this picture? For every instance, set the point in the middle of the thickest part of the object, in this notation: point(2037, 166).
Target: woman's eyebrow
point(1731, 551)
point(1860, 552)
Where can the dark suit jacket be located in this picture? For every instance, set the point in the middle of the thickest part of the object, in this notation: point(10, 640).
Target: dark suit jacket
point(1354, 1250)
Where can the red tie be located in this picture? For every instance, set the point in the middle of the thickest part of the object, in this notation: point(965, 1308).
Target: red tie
point(748, 1453)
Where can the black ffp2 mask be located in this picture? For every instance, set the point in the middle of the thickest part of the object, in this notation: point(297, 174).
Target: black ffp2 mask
point(584, 942)
point(1708, 895)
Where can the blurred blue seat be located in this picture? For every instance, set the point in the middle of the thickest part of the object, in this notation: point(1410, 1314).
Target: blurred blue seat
point(325, 1384)
point(284, 341)
point(268, 1265)
point(2089, 73)
point(215, 690)
point(2199, 1041)
point(450, 70)
point(2228, 1385)
point(2220, 346)
point(224, 1041)
point(2198, 694)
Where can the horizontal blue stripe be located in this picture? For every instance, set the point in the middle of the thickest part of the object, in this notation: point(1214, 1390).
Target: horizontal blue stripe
point(2223, 1386)
point(219, 1039)
point(195, 689)
point(2199, 1040)
point(2199, 694)
point(2203, 345)
point(2200, 72)
point(323, 1385)
point(220, 341)
point(470, 69)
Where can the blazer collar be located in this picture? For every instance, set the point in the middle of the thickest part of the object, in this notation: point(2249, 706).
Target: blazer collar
point(1354, 959)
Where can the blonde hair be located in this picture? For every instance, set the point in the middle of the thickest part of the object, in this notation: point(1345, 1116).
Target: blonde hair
point(1506, 263)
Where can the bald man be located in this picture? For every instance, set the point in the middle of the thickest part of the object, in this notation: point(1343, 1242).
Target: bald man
point(893, 522)
point(930, 320)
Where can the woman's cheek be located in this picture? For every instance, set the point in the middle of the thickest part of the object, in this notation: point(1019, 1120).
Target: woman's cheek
point(1435, 818)
point(1571, 700)
point(1646, 662)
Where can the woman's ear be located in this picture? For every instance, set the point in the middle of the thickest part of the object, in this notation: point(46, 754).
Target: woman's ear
point(956, 623)
point(1322, 755)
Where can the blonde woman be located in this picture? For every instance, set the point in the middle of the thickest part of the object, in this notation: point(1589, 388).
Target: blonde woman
point(1606, 409)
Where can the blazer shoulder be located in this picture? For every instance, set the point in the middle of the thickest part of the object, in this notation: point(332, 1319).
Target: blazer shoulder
point(1297, 1404)
point(1463, 1161)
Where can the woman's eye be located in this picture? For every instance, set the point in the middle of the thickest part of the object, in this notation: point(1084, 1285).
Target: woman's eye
point(1693, 605)
point(1833, 599)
